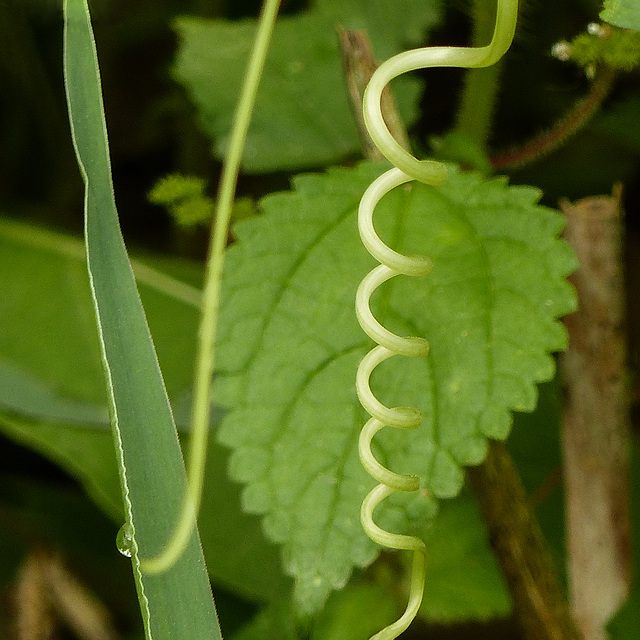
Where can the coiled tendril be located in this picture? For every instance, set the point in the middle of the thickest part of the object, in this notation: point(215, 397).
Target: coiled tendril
point(406, 169)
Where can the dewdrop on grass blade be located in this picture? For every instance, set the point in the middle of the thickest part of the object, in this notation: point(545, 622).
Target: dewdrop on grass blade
point(407, 168)
point(124, 540)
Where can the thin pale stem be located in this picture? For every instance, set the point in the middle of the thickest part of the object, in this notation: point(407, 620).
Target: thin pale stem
point(205, 359)
point(477, 104)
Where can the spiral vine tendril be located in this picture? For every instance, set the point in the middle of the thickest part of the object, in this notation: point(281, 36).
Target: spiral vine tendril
point(407, 168)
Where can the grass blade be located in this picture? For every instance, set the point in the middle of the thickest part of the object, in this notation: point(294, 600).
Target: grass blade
point(175, 604)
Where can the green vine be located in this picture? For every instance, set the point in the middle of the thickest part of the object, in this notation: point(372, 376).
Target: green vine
point(407, 168)
point(205, 357)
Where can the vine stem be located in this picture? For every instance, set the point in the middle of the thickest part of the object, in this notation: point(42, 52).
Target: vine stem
point(429, 171)
point(517, 540)
point(406, 169)
point(477, 104)
point(567, 126)
point(205, 357)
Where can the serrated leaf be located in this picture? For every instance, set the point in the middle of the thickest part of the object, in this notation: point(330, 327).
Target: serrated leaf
point(622, 13)
point(289, 346)
point(302, 101)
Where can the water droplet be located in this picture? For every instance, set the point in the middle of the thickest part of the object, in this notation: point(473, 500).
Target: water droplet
point(124, 540)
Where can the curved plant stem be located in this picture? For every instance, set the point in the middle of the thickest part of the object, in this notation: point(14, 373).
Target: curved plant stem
point(211, 298)
point(477, 103)
point(429, 171)
point(570, 124)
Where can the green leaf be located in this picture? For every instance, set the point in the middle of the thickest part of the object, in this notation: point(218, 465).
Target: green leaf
point(463, 579)
point(177, 603)
point(357, 611)
point(50, 366)
point(274, 621)
point(48, 325)
point(83, 451)
point(302, 102)
point(353, 613)
point(52, 389)
point(289, 346)
point(25, 394)
point(622, 13)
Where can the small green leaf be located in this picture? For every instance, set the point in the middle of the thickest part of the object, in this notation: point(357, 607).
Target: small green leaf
point(302, 102)
point(622, 13)
point(185, 199)
point(463, 579)
point(289, 346)
point(355, 612)
point(620, 49)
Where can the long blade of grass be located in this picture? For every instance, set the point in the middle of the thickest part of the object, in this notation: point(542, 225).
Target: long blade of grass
point(176, 604)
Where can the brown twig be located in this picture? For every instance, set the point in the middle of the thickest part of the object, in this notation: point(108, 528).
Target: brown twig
point(538, 600)
point(359, 65)
point(49, 596)
point(596, 427)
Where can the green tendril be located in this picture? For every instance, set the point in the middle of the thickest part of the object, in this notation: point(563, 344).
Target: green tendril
point(407, 168)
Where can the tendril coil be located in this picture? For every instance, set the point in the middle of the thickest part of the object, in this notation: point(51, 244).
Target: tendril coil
point(407, 168)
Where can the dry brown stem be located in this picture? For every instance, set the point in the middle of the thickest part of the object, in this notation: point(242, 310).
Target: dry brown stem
point(596, 428)
point(359, 65)
point(538, 600)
